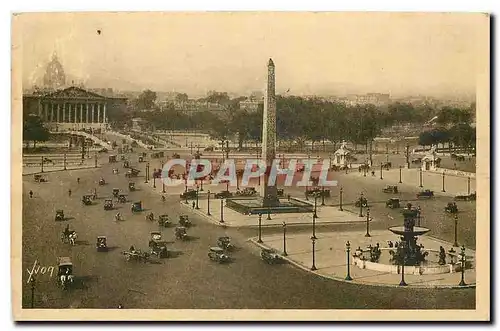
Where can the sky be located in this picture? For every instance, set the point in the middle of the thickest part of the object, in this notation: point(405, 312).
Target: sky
point(314, 53)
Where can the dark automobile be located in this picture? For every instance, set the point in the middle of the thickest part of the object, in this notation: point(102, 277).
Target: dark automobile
point(270, 256)
point(390, 189)
point(223, 195)
point(451, 208)
point(393, 203)
point(189, 194)
point(425, 194)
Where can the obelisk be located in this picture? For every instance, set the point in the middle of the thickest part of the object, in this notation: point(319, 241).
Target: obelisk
point(268, 193)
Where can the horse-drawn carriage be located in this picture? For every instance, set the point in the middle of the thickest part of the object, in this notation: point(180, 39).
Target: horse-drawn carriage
point(131, 186)
point(136, 206)
point(280, 192)
point(181, 233)
point(451, 208)
point(425, 194)
point(184, 221)
point(418, 160)
point(108, 204)
point(102, 182)
point(69, 237)
point(390, 189)
point(164, 221)
point(316, 191)
point(132, 173)
point(112, 158)
point(115, 171)
point(39, 178)
point(126, 164)
point(122, 198)
point(87, 199)
point(157, 246)
point(362, 201)
point(150, 217)
point(65, 275)
point(59, 215)
point(136, 255)
point(393, 203)
point(223, 195)
point(225, 243)
point(141, 159)
point(247, 192)
point(116, 191)
point(101, 244)
point(469, 197)
point(387, 165)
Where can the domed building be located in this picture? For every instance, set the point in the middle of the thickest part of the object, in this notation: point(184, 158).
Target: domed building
point(54, 77)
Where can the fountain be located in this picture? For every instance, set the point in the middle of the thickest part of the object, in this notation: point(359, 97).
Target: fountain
point(408, 251)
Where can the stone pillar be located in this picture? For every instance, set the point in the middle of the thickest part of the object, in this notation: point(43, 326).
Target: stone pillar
point(45, 112)
point(86, 112)
point(51, 112)
point(93, 105)
point(69, 113)
point(104, 113)
point(81, 113)
point(64, 112)
point(269, 193)
point(98, 113)
point(76, 110)
point(58, 115)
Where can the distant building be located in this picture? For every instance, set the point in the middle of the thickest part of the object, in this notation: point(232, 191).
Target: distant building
point(54, 77)
point(251, 104)
point(377, 99)
point(138, 124)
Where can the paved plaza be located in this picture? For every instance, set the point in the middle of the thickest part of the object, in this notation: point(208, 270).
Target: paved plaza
point(331, 258)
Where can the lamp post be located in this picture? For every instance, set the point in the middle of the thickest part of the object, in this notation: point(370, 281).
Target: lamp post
point(313, 267)
point(442, 189)
point(367, 223)
point(260, 228)
point(64, 161)
point(403, 248)
point(315, 204)
point(468, 185)
point(419, 212)
point(322, 195)
point(407, 152)
point(42, 165)
point(365, 168)
point(381, 166)
point(348, 251)
point(400, 169)
point(420, 177)
point(314, 227)
point(32, 283)
point(340, 198)
point(361, 205)
point(197, 194)
point(201, 189)
point(95, 160)
point(462, 269)
point(221, 210)
point(284, 239)
point(162, 179)
point(154, 178)
point(455, 243)
point(146, 172)
point(208, 203)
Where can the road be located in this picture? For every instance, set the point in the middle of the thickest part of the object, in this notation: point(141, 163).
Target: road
point(187, 280)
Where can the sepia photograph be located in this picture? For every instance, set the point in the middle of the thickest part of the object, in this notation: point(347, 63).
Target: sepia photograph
point(219, 165)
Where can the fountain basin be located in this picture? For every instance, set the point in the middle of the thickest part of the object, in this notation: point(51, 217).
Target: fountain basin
point(417, 231)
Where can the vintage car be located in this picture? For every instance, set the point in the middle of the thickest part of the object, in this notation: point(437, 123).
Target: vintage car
point(136, 206)
point(131, 186)
point(247, 192)
point(425, 194)
point(451, 208)
point(101, 244)
point(184, 220)
point(65, 275)
point(223, 195)
point(393, 203)
point(112, 158)
point(136, 255)
point(115, 171)
point(225, 243)
point(102, 182)
point(59, 215)
point(417, 160)
point(150, 217)
point(318, 192)
point(108, 204)
point(164, 221)
point(390, 189)
point(387, 165)
point(126, 164)
point(141, 159)
point(469, 197)
point(157, 246)
point(39, 178)
point(116, 191)
point(189, 194)
point(132, 173)
point(270, 256)
point(217, 254)
point(362, 201)
point(69, 237)
point(280, 192)
point(87, 199)
point(122, 157)
point(180, 233)
point(122, 198)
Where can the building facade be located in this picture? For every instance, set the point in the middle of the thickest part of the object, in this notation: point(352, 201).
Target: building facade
point(72, 108)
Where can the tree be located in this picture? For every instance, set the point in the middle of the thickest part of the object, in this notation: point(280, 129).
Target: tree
point(34, 130)
point(181, 97)
point(146, 100)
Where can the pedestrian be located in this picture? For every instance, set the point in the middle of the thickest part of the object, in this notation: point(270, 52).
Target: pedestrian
point(193, 204)
point(31, 194)
point(289, 196)
point(78, 180)
point(69, 192)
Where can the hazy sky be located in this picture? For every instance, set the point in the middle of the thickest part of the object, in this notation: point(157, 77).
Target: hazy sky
point(332, 53)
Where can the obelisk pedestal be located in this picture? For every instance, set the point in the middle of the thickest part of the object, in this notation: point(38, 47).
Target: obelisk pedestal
point(269, 193)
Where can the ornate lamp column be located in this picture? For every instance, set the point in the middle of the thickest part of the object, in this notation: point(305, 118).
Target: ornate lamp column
point(208, 203)
point(260, 228)
point(284, 239)
point(340, 198)
point(348, 252)
point(367, 223)
point(462, 262)
point(313, 267)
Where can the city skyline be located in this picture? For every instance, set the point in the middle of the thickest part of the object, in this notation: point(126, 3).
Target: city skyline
point(127, 54)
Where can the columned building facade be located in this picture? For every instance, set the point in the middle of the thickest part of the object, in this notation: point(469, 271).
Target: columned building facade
point(74, 108)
